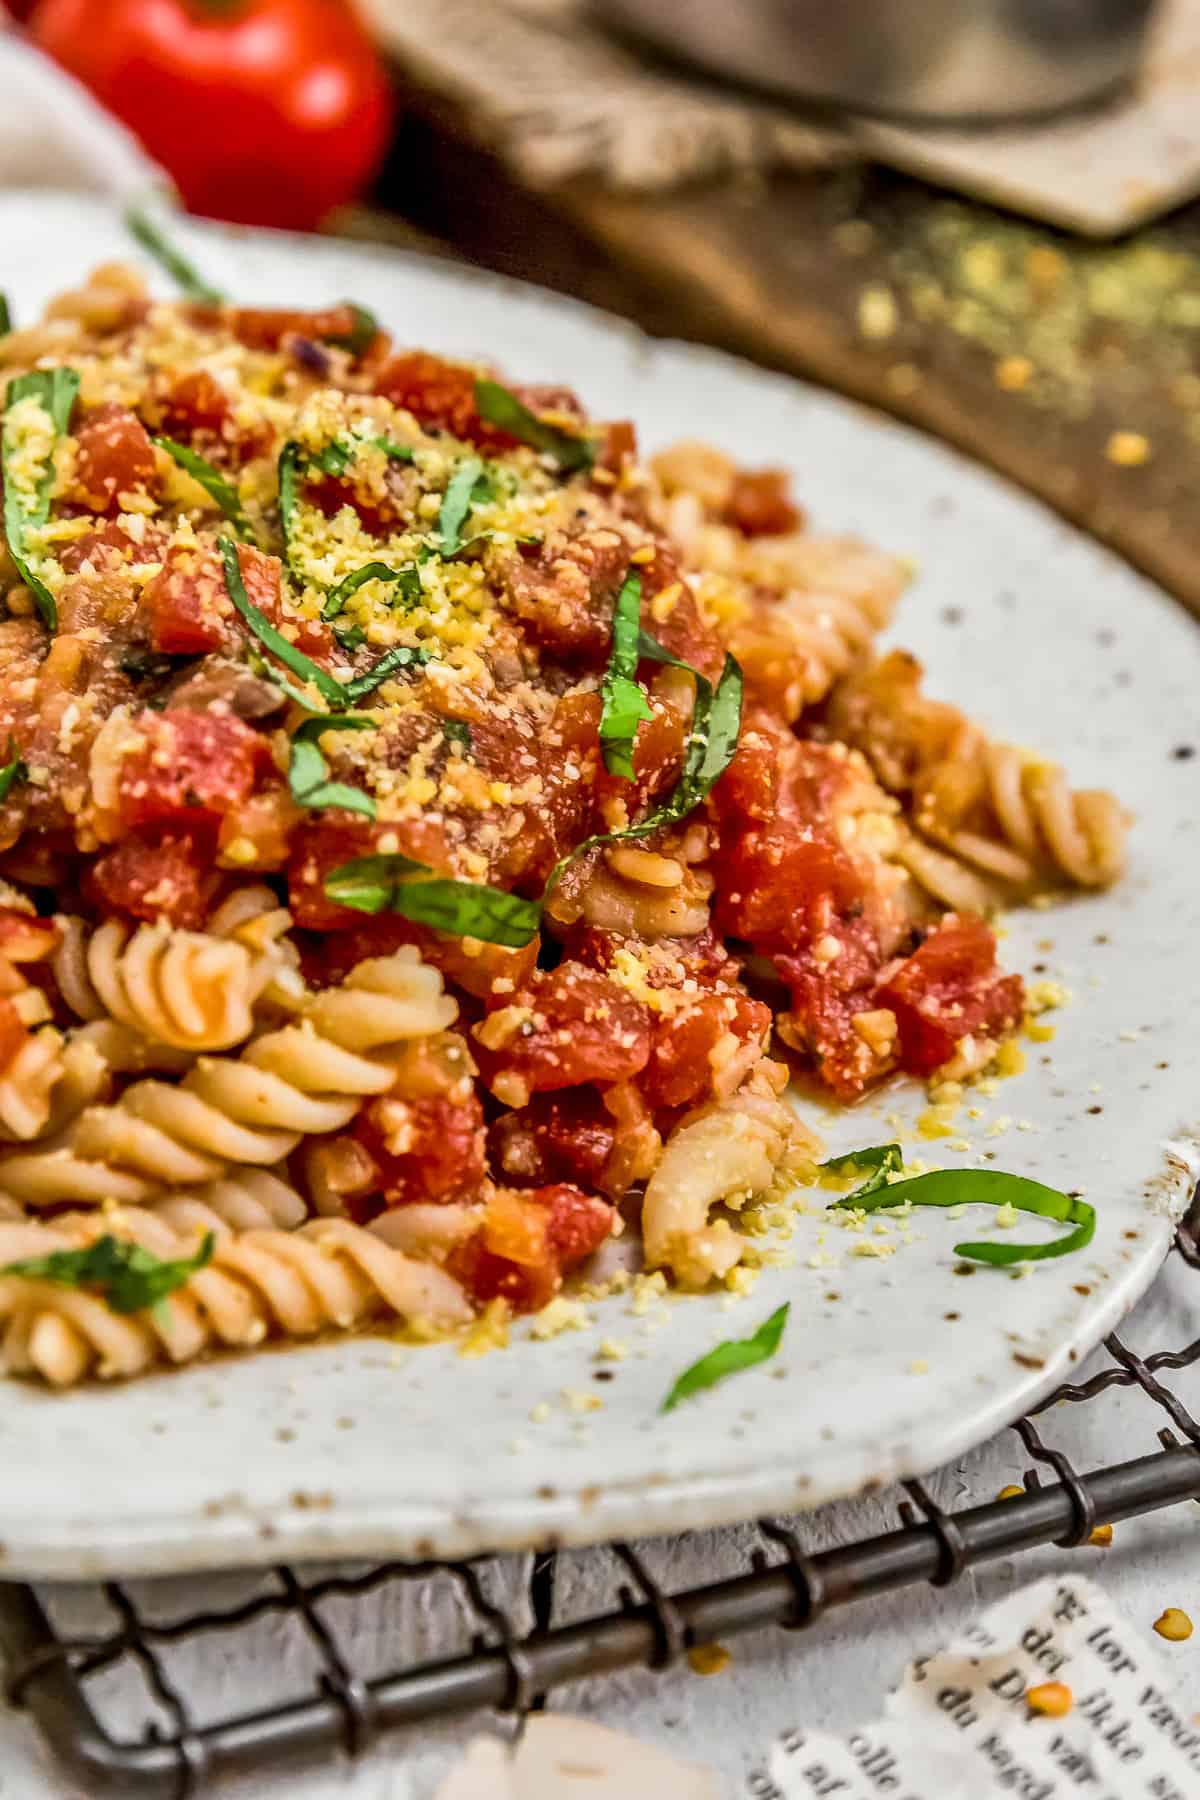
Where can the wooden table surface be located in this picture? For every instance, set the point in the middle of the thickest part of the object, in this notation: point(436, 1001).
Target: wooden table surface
point(1072, 367)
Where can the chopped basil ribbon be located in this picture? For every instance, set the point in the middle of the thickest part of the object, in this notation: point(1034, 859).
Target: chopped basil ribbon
point(290, 463)
point(220, 491)
point(881, 1160)
point(308, 772)
point(55, 391)
point(375, 884)
point(361, 332)
point(326, 685)
point(467, 484)
point(169, 258)
point(350, 637)
point(457, 731)
point(408, 585)
point(470, 909)
point(625, 705)
point(402, 657)
point(5, 316)
point(499, 406)
point(985, 1187)
point(716, 720)
point(12, 772)
point(730, 1358)
point(335, 458)
point(124, 1275)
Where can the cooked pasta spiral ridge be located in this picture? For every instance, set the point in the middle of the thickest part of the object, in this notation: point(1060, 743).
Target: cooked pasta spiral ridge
point(304, 1079)
point(259, 1284)
point(1008, 814)
point(27, 1084)
point(734, 1147)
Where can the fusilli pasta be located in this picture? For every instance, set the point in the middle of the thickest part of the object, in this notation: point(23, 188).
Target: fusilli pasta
point(1005, 812)
point(259, 1284)
point(303, 1079)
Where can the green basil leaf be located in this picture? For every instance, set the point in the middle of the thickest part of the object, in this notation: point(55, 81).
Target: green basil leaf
point(716, 722)
point(501, 407)
point(363, 330)
point(124, 1275)
point(383, 883)
point(220, 491)
point(625, 705)
point(291, 459)
point(402, 657)
point(308, 771)
point(881, 1160)
point(6, 324)
point(730, 1358)
point(172, 260)
point(335, 458)
point(350, 637)
point(12, 772)
point(991, 1187)
point(287, 653)
point(408, 586)
point(461, 493)
point(55, 391)
point(457, 731)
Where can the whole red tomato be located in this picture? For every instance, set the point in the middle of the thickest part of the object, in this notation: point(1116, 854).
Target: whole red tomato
point(266, 112)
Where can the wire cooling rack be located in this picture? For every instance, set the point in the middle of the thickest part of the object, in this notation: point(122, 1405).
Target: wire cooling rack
point(505, 1667)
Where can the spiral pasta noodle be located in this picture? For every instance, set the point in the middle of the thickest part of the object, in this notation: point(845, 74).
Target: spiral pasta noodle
point(734, 1147)
point(1001, 811)
point(27, 1084)
point(260, 1283)
point(304, 1079)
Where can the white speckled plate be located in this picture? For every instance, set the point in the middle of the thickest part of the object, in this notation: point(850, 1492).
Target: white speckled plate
point(888, 1366)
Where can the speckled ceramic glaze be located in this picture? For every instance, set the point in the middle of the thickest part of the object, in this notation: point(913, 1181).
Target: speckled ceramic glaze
point(889, 1365)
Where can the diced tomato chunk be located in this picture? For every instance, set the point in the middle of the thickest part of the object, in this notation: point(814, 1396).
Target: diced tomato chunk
point(194, 402)
point(569, 1025)
point(527, 1242)
point(24, 937)
point(827, 994)
point(429, 1148)
point(947, 990)
point(189, 767)
point(681, 1069)
point(171, 877)
point(114, 457)
point(13, 1034)
point(619, 445)
point(776, 881)
point(264, 328)
point(565, 1136)
point(441, 395)
point(760, 504)
point(187, 605)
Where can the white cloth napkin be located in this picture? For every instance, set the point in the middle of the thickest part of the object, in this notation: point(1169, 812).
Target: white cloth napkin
point(53, 134)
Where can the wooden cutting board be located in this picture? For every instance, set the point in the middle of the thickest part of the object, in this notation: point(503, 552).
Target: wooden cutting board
point(1070, 366)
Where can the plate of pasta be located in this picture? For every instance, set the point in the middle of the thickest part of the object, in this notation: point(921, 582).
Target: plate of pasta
point(489, 907)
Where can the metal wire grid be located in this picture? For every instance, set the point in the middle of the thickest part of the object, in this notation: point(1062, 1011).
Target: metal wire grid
point(784, 1586)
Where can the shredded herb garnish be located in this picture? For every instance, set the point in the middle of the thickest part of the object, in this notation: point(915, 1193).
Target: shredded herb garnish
point(499, 406)
point(457, 731)
point(385, 883)
point(350, 637)
point(730, 1358)
point(326, 685)
point(471, 909)
point(335, 458)
point(467, 484)
point(982, 1187)
point(881, 1160)
point(408, 586)
point(308, 771)
point(124, 1275)
point(55, 391)
point(402, 657)
point(5, 316)
point(16, 769)
point(219, 489)
point(625, 705)
point(172, 260)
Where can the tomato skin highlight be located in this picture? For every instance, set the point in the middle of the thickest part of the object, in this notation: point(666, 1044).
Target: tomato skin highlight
point(264, 112)
point(949, 989)
point(191, 769)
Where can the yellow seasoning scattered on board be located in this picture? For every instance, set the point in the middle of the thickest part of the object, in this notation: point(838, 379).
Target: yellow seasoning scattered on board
point(1174, 1624)
point(1053, 1698)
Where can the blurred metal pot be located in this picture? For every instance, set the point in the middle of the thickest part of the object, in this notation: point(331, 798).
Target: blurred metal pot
point(949, 60)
